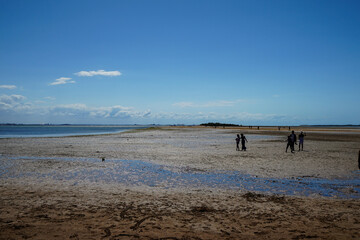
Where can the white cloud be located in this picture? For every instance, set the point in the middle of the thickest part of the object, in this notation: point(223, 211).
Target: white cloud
point(11, 98)
point(50, 98)
point(241, 117)
point(8, 86)
point(69, 110)
point(98, 73)
point(114, 112)
point(16, 104)
point(62, 80)
point(219, 103)
point(45, 100)
point(11, 101)
point(118, 112)
point(184, 104)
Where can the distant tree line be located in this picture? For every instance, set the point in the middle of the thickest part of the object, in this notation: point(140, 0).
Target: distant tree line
point(217, 124)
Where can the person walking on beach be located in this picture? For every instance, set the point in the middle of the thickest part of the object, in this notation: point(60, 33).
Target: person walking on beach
point(301, 140)
point(237, 139)
point(291, 142)
point(293, 137)
point(243, 139)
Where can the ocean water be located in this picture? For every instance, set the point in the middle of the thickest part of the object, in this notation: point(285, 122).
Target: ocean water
point(16, 131)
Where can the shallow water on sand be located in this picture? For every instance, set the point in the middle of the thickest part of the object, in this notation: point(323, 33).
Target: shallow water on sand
point(23, 131)
point(140, 173)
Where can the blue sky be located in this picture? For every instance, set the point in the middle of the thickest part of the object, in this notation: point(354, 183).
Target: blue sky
point(173, 62)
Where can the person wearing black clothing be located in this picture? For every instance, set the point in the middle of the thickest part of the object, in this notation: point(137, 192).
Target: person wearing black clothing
point(301, 140)
point(289, 142)
point(243, 139)
point(237, 139)
point(293, 138)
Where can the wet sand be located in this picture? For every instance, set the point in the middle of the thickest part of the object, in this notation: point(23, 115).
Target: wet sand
point(40, 201)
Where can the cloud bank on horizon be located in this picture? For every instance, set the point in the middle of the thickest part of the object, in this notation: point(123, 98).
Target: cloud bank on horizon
point(17, 104)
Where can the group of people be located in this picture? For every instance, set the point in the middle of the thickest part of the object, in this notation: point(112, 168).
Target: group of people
point(241, 138)
point(291, 141)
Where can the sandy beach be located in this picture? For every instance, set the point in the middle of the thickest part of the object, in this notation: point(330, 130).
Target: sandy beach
point(181, 183)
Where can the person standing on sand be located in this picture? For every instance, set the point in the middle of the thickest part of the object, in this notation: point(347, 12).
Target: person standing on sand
point(237, 139)
point(243, 139)
point(293, 137)
point(289, 143)
point(301, 140)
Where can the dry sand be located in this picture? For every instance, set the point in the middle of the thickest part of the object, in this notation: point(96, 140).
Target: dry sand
point(40, 201)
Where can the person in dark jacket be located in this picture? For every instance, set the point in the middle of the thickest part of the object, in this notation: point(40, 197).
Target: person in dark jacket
point(289, 142)
point(243, 139)
point(293, 138)
point(237, 139)
point(301, 140)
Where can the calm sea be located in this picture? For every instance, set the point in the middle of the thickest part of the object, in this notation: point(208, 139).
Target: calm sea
point(13, 131)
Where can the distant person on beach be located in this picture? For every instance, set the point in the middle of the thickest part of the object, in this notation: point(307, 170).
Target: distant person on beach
point(243, 139)
point(301, 140)
point(237, 139)
point(291, 141)
point(293, 138)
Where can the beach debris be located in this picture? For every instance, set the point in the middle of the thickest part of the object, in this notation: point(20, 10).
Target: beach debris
point(359, 159)
point(201, 209)
point(253, 197)
point(107, 233)
point(75, 236)
point(137, 224)
point(126, 235)
point(123, 212)
point(103, 159)
point(258, 197)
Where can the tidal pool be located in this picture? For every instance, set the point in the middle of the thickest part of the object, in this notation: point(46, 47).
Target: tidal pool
point(140, 173)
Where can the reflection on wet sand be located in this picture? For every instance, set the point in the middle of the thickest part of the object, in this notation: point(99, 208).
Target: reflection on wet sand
point(136, 173)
